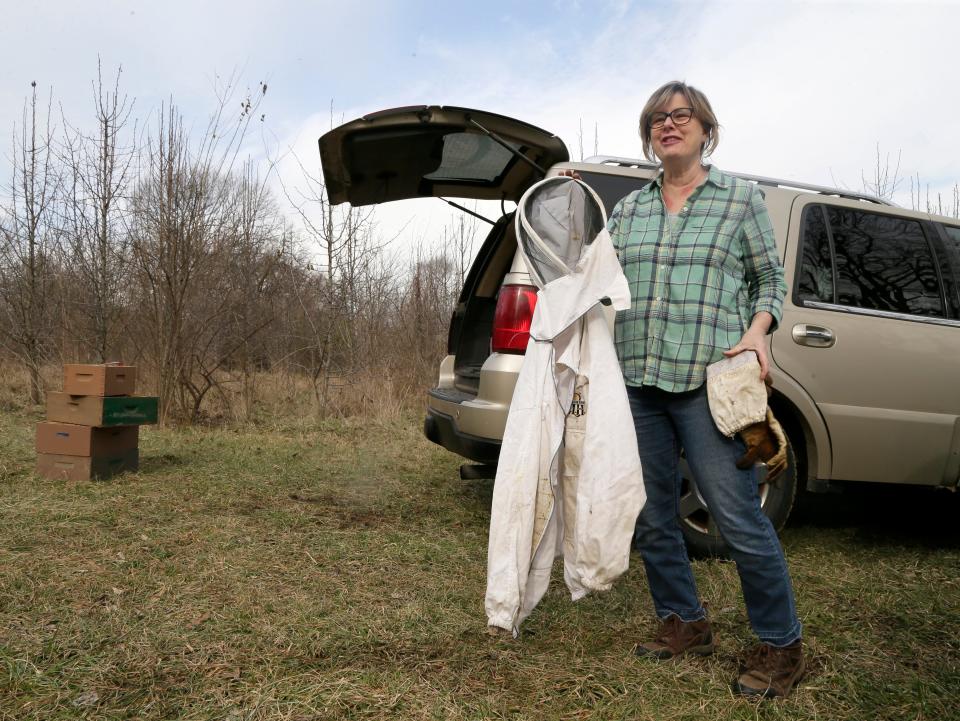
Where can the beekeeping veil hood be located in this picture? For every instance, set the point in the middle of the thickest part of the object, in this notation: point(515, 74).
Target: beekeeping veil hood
point(558, 220)
point(568, 478)
point(561, 234)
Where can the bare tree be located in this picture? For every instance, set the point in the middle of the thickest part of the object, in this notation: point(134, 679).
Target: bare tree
point(28, 242)
point(885, 178)
point(884, 181)
point(98, 172)
point(596, 138)
point(429, 298)
point(920, 199)
point(258, 242)
point(343, 242)
point(182, 222)
point(459, 236)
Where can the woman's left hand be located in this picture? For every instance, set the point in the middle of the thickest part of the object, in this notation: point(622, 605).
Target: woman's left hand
point(755, 339)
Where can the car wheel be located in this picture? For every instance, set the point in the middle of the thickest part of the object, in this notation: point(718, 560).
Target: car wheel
point(700, 531)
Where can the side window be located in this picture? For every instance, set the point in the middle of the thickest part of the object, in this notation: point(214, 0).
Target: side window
point(867, 260)
point(611, 188)
point(884, 263)
point(953, 235)
point(952, 238)
point(816, 266)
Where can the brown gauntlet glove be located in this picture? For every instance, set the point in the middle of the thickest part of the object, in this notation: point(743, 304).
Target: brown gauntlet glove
point(766, 443)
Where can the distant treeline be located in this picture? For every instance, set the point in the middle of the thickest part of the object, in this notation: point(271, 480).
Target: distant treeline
point(137, 240)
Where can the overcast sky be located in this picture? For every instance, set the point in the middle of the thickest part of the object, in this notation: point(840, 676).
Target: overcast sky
point(803, 90)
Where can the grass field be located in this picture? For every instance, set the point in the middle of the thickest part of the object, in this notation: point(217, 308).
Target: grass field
point(337, 571)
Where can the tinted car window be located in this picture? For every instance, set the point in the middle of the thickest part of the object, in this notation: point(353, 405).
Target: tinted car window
point(611, 188)
point(868, 260)
point(884, 263)
point(953, 234)
point(952, 282)
point(816, 268)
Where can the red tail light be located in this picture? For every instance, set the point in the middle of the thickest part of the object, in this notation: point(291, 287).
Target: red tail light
point(511, 321)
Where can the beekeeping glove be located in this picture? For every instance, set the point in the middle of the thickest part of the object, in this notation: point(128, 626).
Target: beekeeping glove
point(737, 396)
point(766, 443)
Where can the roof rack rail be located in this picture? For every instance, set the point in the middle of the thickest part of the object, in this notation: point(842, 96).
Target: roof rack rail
point(617, 160)
point(758, 179)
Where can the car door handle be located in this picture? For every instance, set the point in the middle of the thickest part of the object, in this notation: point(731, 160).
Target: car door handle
point(815, 336)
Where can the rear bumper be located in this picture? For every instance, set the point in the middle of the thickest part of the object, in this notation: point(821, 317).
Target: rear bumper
point(442, 430)
point(471, 423)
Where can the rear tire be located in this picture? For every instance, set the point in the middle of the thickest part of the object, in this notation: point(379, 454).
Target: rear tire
point(700, 532)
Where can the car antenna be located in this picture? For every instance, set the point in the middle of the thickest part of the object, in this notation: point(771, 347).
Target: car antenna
point(497, 139)
point(468, 211)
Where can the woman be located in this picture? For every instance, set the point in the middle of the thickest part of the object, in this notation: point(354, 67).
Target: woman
point(698, 250)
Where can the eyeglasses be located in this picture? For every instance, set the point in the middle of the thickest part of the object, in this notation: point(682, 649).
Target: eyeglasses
point(680, 116)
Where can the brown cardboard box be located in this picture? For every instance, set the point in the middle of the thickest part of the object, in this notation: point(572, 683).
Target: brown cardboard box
point(100, 410)
point(69, 439)
point(99, 380)
point(85, 468)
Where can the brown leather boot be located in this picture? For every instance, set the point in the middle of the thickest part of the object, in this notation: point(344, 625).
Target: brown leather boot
point(675, 638)
point(770, 671)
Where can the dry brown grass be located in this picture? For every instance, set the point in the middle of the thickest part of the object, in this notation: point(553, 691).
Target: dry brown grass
point(270, 395)
point(312, 570)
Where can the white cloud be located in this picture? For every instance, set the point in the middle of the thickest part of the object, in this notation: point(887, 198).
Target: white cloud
point(804, 91)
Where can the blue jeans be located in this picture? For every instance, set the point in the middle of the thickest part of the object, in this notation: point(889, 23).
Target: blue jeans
point(665, 422)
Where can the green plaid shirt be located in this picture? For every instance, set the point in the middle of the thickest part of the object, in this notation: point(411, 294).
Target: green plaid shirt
point(695, 286)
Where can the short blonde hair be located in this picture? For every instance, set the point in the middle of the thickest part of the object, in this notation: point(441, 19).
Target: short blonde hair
point(701, 111)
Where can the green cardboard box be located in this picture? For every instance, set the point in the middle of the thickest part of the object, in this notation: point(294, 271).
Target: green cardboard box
point(102, 411)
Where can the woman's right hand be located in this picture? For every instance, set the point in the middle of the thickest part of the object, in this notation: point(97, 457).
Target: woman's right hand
point(570, 174)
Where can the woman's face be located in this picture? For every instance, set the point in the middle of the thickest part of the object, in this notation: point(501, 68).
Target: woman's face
point(673, 142)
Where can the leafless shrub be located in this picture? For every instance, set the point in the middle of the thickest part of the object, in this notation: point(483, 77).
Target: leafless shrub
point(29, 239)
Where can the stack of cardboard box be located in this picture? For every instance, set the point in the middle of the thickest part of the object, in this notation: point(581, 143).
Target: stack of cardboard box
point(92, 427)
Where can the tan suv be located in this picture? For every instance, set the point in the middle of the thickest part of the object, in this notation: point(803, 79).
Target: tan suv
point(866, 361)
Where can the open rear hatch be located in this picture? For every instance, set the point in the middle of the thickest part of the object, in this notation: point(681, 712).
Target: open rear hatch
point(423, 151)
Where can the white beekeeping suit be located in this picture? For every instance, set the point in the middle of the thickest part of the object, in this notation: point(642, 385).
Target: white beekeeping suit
point(568, 479)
